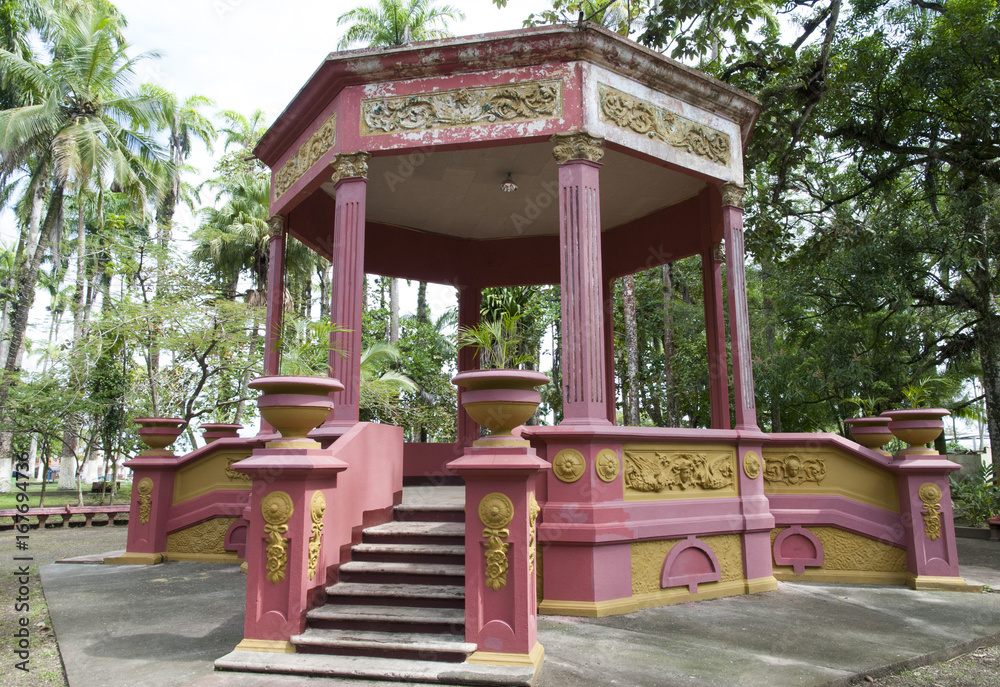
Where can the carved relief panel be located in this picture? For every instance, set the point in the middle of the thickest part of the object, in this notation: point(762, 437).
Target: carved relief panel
point(678, 472)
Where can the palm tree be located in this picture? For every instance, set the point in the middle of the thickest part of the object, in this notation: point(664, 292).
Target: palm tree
point(396, 22)
point(82, 132)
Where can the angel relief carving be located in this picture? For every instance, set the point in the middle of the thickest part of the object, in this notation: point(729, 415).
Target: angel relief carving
point(793, 469)
point(658, 471)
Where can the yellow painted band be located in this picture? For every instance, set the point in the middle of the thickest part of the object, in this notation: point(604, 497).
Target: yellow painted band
point(930, 583)
point(762, 584)
point(785, 574)
point(270, 645)
point(135, 559)
point(202, 557)
point(532, 659)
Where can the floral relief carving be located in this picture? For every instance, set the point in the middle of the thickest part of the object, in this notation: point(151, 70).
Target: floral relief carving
point(793, 469)
point(533, 510)
point(930, 495)
point(515, 102)
point(496, 512)
point(205, 537)
point(569, 465)
point(317, 508)
point(350, 166)
point(578, 145)
point(658, 471)
point(751, 464)
point(276, 508)
point(233, 473)
point(607, 465)
point(315, 147)
point(632, 114)
point(145, 489)
point(843, 550)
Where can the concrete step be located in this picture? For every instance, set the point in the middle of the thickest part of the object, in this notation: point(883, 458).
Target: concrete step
point(414, 553)
point(428, 512)
point(414, 645)
point(383, 669)
point(389, 618)
point(451, 533)
point(404, 573)
point(424, 595)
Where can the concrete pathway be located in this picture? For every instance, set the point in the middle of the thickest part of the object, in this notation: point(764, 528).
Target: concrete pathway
point(160, 626)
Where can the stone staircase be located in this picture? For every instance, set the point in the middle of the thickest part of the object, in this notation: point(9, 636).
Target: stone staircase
point(397, 613)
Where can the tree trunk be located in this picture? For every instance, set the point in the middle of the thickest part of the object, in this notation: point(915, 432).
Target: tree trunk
point(325, 272)
point(769, 349)
point(631, 410)
point(422, 314)
point(988, 335)
point(669, 387)
point(394, 310)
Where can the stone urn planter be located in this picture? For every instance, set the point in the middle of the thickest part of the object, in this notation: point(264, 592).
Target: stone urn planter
point(500, 400)
point(219, 430)
point(159, 432)
point(295, 405)
point(870, 432)
point(916, 427)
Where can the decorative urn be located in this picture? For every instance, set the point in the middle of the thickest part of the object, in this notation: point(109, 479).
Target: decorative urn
point(870, 432)
point(158, 433)
point(295, 404)
point(500, 400)
point(917, 427)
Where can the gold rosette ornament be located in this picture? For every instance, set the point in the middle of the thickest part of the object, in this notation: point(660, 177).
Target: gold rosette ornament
point(495, 512)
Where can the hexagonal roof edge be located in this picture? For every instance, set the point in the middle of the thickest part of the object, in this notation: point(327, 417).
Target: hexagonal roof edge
point(503, 50)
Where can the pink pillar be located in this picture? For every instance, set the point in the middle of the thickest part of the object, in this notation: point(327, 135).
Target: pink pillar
point(609, 352)
point(739, 324)
point(715, 336)
point(469, 303)
point(275, 304)
point(501, 617)
point(583, 361)
point(348, 288)
point(925, 504)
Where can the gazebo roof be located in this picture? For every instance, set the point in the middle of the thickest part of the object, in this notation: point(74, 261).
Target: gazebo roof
point(447, 120)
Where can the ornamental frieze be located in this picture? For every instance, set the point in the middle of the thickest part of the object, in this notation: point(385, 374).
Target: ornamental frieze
point(638, 116)
point(930, 495)
point(794, 470)
point(306, 156)
point(517, 102)
point(145, 489)
point(659, 471)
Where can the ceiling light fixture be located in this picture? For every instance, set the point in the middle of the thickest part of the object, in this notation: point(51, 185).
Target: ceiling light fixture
point(508, 185)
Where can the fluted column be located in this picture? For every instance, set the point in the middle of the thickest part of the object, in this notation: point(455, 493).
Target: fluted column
point(275, 294)
point(739, 324)
point(715, 336)
point(350, 173)
point(469, 304)
point(584, 365)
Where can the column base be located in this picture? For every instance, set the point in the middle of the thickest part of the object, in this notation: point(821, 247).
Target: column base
point(762, 584)
point(277, 646)
point(532, 659)
point(587, 609)
point(931, 583)
point(135, 559)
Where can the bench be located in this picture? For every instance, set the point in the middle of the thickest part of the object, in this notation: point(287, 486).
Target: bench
point(66, 512)
point(994, 524)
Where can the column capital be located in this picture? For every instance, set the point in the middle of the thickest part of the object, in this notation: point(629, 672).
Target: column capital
point(578, 145)
point(276, 226)
point(732, 195)
point(350, 166)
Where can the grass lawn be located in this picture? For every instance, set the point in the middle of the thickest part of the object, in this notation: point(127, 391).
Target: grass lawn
point(55, 497)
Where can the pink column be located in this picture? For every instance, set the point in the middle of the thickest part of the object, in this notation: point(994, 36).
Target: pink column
point(348, 288)
point(929, 523)
point(469, 303)
point(583, 361)
point(609, 352)
point(501, 617)
point(275, 304)
point(715, 336)
point(739, 324)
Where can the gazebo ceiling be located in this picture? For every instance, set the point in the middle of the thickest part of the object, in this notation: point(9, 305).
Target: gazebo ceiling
point(457, 193)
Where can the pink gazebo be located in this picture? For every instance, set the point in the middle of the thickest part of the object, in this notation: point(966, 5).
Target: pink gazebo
point(390, 162)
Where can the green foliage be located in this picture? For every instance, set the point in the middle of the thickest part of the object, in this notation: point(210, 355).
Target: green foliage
point(977, 497)
point(396, 22)
point(498, 343)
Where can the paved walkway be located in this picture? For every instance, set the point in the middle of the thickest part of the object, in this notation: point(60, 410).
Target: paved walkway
point(164, 625)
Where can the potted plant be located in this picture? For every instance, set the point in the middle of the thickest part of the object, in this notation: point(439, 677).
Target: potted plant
point(916, 425)
point(499, 396)
point(869, 430)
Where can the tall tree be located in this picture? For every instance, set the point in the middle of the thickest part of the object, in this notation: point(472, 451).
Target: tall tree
point(396, 22)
